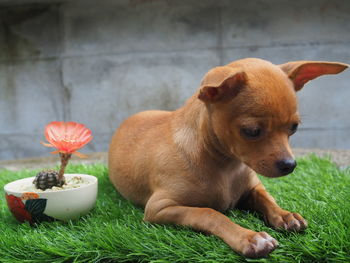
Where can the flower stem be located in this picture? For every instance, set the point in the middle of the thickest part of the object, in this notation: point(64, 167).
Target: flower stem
point(64, 161)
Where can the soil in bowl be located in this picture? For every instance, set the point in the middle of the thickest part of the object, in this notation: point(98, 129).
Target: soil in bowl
point(72, 182)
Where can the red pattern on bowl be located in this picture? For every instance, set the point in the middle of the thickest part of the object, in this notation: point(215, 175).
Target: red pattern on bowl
point(17, 208)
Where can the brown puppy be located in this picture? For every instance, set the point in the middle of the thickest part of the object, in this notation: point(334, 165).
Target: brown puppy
point(188, 166)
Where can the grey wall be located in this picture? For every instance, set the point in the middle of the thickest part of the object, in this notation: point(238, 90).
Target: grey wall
point(97, 62)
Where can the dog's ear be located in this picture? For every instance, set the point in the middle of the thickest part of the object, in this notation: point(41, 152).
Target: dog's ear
point(221, 84)
point(301, 72)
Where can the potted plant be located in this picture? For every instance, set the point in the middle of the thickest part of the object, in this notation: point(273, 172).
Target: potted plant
point(51, 194)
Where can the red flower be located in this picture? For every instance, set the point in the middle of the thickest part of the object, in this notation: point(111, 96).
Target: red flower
point(67, 137)
point(16, 207)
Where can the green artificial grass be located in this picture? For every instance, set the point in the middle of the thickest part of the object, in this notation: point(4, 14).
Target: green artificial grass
point(114, 230)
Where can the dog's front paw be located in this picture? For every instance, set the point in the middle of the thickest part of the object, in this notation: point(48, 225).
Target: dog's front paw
point(258, 245)
point(288, 221)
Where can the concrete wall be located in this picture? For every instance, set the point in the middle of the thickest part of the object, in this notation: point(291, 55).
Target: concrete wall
point(97, 62)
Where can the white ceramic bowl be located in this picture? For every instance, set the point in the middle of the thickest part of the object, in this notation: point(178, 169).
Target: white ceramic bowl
point(48, 205)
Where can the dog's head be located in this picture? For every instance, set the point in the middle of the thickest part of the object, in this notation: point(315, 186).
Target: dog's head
point(253, 109)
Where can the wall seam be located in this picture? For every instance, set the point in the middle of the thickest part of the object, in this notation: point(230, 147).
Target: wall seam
point(187, 50)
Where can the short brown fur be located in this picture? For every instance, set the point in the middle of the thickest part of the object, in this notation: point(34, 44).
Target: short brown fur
point(188, 166)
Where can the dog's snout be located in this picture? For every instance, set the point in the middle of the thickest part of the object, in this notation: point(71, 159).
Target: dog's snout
point(286, 166)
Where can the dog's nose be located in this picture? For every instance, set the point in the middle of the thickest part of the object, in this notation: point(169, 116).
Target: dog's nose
point(286, 166)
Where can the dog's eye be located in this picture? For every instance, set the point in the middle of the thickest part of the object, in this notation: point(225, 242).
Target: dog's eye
point(294, 128)
point(251, 133)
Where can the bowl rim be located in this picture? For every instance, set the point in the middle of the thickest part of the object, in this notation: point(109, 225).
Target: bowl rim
point(7, 186)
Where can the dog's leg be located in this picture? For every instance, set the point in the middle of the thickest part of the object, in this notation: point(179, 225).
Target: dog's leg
point(260, 200)
point(244, 241)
